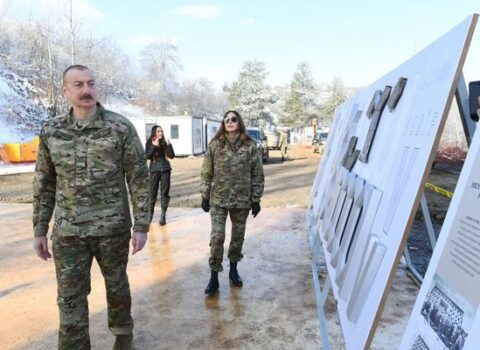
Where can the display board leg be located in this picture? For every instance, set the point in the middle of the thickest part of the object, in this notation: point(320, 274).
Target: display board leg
point(321, 294)
point(415, 274)
point(431, 234)
point(428, 221)
point(462, 98)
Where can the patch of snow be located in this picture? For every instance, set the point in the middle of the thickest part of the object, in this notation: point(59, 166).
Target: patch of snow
point(5, 89)
point(21, 111)
point(8, 169)
point(13, 134)
point(126, 109)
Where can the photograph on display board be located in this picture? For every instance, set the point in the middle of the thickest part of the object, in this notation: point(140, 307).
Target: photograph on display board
point(419, 344)
point(447, 315)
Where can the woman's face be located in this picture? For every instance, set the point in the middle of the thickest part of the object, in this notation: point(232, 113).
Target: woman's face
point(159, 133)
point(232, 124)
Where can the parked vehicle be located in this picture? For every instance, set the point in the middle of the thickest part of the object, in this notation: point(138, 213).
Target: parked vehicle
point(319, 141)
point(273, 139)
point(260, 139)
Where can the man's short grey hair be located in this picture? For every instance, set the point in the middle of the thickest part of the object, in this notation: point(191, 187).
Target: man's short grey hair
point(72, 67)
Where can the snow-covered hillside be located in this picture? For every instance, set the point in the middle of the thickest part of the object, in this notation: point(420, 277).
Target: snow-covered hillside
point(21, 112)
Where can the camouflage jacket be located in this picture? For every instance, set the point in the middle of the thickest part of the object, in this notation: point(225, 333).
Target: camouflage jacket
point(232, 174)
point(82, 171)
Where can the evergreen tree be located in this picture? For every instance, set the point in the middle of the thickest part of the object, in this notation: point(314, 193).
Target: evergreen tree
point(326, 110)
point(300, 103)
point(250, 95)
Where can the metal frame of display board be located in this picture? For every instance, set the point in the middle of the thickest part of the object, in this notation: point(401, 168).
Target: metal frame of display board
point(462, 99)
point(321, 292)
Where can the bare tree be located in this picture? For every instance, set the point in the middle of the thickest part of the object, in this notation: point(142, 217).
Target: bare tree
point(161, 64)
point(199, 98)
point(73, 26)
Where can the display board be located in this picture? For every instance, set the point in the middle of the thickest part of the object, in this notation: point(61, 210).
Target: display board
point(377, 159)
point(446, 314)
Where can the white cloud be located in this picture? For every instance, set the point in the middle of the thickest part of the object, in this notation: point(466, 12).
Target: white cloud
point(198, 11)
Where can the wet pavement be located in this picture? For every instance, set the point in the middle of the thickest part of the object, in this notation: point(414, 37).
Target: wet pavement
point(275, 309)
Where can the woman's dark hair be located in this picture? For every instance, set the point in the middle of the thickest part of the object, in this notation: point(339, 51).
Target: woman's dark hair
point(222, 131)
point(162, 143)
point(154, 131)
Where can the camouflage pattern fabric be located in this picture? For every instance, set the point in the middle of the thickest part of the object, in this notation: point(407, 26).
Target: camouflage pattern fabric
point(232, 174)
point(283, 144)
point(73, 258)
point(81, 168)
point(218, 218)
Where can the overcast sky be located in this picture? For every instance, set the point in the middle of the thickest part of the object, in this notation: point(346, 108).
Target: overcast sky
point(359, 41)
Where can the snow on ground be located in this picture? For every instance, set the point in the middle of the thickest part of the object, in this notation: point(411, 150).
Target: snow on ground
point(20, 111)
point(20, 168)
point(126, 109)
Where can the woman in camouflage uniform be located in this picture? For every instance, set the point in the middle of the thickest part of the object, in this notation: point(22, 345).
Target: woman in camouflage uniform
point(232, 183)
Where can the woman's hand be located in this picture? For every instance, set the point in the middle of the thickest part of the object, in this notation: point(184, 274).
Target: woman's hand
point(167, 141)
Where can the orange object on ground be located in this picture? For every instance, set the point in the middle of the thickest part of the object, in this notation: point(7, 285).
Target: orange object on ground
point(20, 152)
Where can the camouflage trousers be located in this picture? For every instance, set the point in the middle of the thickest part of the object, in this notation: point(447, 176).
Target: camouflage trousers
point(73, 258)
point(217, 239)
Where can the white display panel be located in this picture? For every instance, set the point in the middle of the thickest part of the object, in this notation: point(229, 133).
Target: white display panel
point(362, 209)
point(446, 314)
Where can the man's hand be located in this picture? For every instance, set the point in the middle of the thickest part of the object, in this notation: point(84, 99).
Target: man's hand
point(138, 241)
point(205, 205)
point(255, 209)
point(40, 244)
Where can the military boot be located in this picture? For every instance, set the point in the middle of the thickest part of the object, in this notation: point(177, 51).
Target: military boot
point(163, 219)
point(234, 276)
point(123, 342)
point(213, 284)
point(164, 203)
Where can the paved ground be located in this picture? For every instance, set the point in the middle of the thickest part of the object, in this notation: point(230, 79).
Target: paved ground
point(275, 310)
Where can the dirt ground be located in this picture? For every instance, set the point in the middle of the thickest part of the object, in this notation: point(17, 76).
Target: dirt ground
point(287, 184)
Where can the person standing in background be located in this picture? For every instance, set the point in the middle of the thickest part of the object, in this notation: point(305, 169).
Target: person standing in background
point(283, 145)
point(158, 149)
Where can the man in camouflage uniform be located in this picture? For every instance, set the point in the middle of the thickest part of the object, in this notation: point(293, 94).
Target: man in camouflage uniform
point(232, 183)
point(86, 159)
point(283, 145)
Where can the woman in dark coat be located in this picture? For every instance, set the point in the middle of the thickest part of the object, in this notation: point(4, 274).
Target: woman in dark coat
point(158, 149)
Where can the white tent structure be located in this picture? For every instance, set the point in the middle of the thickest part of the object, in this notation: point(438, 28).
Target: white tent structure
point(188, 134)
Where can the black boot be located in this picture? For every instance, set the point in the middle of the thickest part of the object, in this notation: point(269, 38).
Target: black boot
point(234, 276)
point(163, 220)
point(213, 284)
point(123, 342)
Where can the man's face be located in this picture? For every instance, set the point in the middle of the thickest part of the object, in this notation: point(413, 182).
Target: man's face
point(79, 88)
